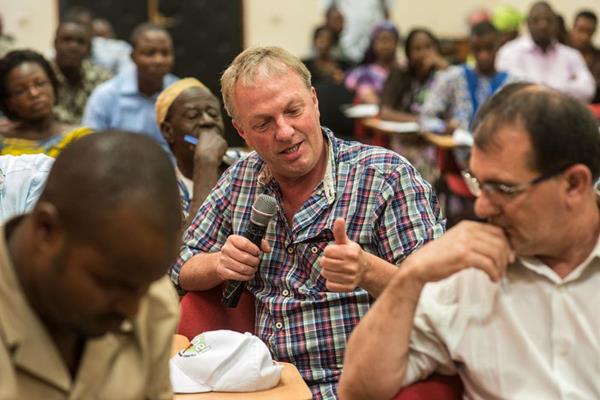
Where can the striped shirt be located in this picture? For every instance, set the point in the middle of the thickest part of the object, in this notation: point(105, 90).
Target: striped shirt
point(389, 210)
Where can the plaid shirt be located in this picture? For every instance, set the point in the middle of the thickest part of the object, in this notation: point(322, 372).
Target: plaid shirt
point(72, 98)
point(389, 210)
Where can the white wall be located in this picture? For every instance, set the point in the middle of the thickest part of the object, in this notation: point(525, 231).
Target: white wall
point(286, 23)
point(289, 23)
point(31, 22)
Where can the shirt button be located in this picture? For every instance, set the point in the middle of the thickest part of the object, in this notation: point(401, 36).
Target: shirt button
point(314, 249)
point(279, 325)
point(285, 292)
point(290, 250)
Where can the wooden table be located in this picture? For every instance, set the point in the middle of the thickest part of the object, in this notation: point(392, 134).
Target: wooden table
point(290, 387)
point(442, 141)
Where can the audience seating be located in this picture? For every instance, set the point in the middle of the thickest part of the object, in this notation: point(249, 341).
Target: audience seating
point(203, 311)
point(436, 387)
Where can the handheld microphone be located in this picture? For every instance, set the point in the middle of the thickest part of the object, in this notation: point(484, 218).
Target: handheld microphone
point(263, 209)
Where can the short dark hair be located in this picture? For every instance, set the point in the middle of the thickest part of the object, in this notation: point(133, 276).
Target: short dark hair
point(589, 14)
point(11, 61)
point(79, 13)
point(333, 7)
point(414, 32)
point(76, 21)
point(141, 29)
point(102, 172)
point(561, 129)
point(483, 28)
point(320, 29)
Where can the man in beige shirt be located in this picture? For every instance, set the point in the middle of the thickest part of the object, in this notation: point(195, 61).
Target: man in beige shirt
point(86, 310)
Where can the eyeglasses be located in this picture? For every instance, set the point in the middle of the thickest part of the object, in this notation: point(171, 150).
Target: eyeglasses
point(37, 85)
point(503, 191)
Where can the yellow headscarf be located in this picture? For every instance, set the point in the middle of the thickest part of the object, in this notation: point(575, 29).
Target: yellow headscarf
point(168, 96)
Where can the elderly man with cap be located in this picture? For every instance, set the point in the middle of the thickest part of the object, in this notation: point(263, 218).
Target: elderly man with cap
point(187, 112)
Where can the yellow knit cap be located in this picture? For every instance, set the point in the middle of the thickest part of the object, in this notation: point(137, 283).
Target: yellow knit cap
point(168, 96)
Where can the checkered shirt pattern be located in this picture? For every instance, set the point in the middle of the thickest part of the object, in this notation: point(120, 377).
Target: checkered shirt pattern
point(389, 210)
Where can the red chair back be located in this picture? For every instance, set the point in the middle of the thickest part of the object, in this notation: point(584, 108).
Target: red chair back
point(438, 387)
point(451, 173)
point(203, 311)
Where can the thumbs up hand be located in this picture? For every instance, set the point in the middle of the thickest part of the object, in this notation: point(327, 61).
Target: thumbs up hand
point(343, 263)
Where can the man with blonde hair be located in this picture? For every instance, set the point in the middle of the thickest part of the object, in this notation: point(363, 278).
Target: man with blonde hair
point(340, 205)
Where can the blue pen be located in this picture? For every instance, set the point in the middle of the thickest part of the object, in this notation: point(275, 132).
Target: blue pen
point(191, 139)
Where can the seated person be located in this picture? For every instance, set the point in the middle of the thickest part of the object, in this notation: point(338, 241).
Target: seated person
point(458, 92)
point(540, 58)
point(101, 27)
point(22, 179)
point(309, 293)
point(405, 91)
point(334, 21)
point(187, 107)
point(406, 88)
point(367, 80)
point(580, 38)
point(77, 76)
point(107, 52)
point(509, 304)
point(28, 88)
point(454, 98)
point(327, 76)
point(126, 101)
point(323, 66)
point(86, 310)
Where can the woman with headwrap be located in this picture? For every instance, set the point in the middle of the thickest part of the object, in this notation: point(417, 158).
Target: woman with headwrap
point(367, 80)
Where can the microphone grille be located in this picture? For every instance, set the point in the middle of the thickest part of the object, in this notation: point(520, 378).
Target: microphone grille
point(263, 209)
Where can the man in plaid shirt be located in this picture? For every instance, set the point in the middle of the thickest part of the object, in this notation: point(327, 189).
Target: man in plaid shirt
point(343, 207)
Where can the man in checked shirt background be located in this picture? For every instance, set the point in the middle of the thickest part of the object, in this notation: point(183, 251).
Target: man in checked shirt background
point(341, 205)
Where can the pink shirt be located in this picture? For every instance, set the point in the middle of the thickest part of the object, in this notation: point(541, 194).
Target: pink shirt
point(560, 67)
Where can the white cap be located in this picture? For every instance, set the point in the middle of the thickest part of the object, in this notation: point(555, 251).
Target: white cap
point(224, 361)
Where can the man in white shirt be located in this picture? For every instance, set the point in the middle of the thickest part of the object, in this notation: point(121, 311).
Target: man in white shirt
point(509, 304)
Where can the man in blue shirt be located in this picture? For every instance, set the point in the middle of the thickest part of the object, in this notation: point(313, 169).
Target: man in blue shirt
point(126, 102)
point(458, 92)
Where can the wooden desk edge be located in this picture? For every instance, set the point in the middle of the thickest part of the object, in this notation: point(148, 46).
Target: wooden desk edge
point(443, 141)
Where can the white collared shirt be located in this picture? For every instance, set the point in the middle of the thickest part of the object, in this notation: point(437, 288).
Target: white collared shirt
point(22, 179)
point(534, 335)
